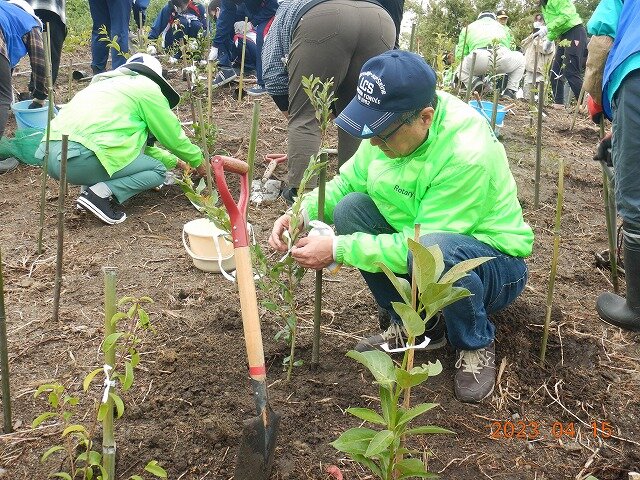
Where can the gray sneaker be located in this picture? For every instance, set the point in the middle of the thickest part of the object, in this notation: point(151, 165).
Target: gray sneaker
point(8, 164)
point(396, 338)
point(476, 375)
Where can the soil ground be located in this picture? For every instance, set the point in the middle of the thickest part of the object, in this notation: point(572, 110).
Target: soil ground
point(191, 391)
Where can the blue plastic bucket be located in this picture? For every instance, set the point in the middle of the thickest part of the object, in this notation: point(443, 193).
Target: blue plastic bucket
point(34, 118)
point(487, 110)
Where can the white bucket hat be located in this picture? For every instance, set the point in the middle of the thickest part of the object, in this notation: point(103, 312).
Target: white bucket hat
point(150, 67)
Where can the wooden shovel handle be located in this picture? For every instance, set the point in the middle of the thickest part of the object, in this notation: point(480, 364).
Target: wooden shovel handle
point(244, 270)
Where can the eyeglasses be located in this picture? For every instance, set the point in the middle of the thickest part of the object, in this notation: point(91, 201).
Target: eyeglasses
point(404, 121)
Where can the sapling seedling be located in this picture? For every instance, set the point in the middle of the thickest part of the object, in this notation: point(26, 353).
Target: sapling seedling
point(103, 36)
point(382, 451)
point(280, 281)
point(124, 323)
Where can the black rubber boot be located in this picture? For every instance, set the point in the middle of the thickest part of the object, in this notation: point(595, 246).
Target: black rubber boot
point(613, 309)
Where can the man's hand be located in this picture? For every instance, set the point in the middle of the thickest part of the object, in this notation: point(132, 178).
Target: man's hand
point(595, 110)
point(313, 252)
point(213, 54)
point(280, 226)
point(603, 150)
point(202, 169)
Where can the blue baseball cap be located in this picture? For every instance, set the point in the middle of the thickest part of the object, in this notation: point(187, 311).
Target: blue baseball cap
point(390, 84)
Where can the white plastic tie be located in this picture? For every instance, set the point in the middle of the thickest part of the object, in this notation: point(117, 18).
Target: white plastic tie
point(108, 383)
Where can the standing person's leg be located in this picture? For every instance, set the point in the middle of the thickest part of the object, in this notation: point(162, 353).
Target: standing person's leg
point(5, 92)
point(259, 44)
point(371, 19)
point(575, 57)
point(613, 309)
point(57, 32)
point(99, 51)
point(557, 76)
point(119, 14)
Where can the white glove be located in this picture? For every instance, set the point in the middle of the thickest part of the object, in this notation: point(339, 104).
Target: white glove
point(151, 50)
point(213, 54)
point(542, 31)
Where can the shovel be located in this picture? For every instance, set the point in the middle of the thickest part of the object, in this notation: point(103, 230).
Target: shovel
point(255, 457)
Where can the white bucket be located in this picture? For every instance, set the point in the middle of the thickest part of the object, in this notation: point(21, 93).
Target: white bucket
point(208, 247)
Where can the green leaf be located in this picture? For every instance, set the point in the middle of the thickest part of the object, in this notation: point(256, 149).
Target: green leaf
point(45, 388)
point(153, 468)
point(89, 378)
point(367, 415)
point(401, 284)
point(413, 467)
point(117, 401)
point(64, 475)
point(55, 448)
point(408, 380)
point(354, 441)
point(461, 269)
point(427, 430)
point(74, 428)
point(388, 405)
point(110, 341)
point(379, 443)
point(428, 263)
point(117, 317)
point(41, 418)
point(135, 477)
point(433, 307)
point(413, 324)
point(95, 458)
point(143, 318)
point(135, 359)
point(369, 463)
point(434, 368)
point(379, 364)
point(102, 411)
point(128, 376)
point(413, 412)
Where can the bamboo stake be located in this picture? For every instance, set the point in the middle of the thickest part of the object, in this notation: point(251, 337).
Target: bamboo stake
point(536, 44)
point(244, 48)
point(317, 311)
point(4, 361)
point(610, 218)
point(108, 439)
point(470, 81)
point(464, 46)
point(253, 141)
point(536, 191)
point(61, 198)
point(140, 32)
point(45, 161)
point(209, 89)
point(70, 80)
point(191, 104)
point(554, 259)
point(205, 148)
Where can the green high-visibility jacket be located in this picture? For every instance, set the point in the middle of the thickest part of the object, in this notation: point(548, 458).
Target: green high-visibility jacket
point(481, 34)
point(457, 181)
point(560, 17)
point(113, 117)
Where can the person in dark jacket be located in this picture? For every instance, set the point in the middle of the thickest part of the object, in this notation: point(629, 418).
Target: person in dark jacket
point(177, 20)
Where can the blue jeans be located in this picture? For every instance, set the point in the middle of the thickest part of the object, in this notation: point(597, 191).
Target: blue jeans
point(84, 168)
point(114, 14)
point(493, 285)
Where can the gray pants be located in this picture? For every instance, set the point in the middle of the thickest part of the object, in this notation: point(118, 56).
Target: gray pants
point(507, 62)
point(626, 148)
point(333, 39)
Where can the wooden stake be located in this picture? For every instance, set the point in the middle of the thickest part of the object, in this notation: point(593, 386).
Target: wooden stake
point(413, 37)
point(578, 105)
point(253, 141)
point(61, 198)
point(4, 361)
point(464, 46)
point(470, 81)
point(536, 187)
point(554, 259)
point(45, 161)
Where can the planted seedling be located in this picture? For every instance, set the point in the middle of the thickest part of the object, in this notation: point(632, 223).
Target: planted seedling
point(382, 450)
point(124, 325)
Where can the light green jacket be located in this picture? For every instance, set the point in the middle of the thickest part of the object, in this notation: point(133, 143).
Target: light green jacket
point(481, 34)
point(457, 181)
point(560, 16)
point(113, 117)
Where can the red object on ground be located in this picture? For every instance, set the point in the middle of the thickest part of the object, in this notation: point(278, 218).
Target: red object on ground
point(334, 472)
